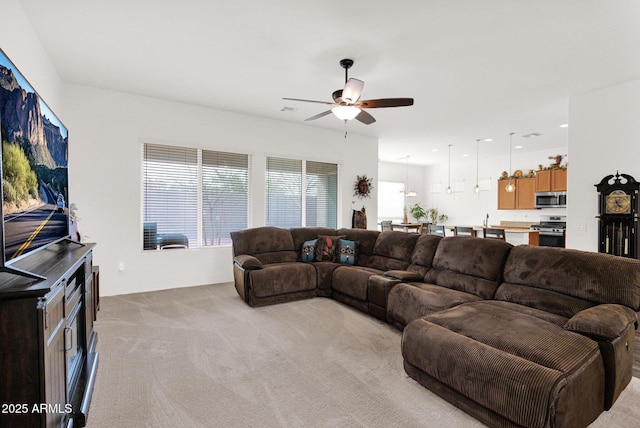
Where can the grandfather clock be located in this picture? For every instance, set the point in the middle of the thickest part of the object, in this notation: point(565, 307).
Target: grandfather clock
point(618, 215)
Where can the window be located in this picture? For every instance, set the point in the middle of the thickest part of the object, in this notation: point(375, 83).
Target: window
point(301, 193)
point(192, 197)
point(225, 195)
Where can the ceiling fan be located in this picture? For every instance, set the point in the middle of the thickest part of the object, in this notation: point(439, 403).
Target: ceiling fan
point(347, 104)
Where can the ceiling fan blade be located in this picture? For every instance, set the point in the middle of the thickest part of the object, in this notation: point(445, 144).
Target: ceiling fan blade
point(386, 102)
point(352, 90)
point(319, 115)
point(365, 117)
point(309, 101)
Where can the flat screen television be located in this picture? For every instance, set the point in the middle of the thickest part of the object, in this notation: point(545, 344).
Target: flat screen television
point(34, 169)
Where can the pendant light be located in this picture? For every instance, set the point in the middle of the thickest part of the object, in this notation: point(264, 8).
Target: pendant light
point(477, 188)
point(408, 193)
point(510, 187)
point(449, 190)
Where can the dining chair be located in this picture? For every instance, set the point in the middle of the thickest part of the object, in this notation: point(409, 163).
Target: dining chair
point(386, 225)
point(424, 229)
point(493, 233)
point(436, 229)
point(464, 231)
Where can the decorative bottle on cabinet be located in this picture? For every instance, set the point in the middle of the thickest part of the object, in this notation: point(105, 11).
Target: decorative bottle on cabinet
point(618, 215)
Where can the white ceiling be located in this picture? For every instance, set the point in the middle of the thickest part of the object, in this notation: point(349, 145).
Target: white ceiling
point(476, 68)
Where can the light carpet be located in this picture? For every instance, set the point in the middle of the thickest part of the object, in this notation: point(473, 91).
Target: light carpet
point(200, 357)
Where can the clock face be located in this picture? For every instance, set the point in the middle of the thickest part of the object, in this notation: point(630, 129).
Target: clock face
point(618, 202)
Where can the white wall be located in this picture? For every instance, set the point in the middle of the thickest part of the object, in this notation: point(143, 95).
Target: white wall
point(105, 132)
point(604, 137)
point(24, 49)
point(413, 175)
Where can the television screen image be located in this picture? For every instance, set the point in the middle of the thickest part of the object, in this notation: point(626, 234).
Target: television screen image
point(34, 167)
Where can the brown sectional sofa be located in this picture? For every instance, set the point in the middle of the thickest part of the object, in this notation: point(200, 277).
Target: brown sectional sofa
point(516, 336)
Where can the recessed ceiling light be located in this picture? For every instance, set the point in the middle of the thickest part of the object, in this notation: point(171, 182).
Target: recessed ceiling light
point(564, 125)
point(488, 139)
point(465, 155)
point(434, 150)
point(517, 147)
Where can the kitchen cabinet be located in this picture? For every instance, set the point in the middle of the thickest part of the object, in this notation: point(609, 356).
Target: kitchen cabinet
point(551, 180)
point(525, 193)
point(522, 198)
point(506, 200)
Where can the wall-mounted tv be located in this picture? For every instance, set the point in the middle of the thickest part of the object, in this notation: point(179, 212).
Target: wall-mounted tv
point(34, 168)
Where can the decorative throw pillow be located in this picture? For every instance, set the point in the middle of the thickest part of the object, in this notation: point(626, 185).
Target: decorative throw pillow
point(347, 251)
point(326, 248)
point(309, 250)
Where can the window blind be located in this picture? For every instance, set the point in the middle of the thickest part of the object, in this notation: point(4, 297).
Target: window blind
point(301, 193)
point(225, 195)
point(283, 192)
point(193, 197)
point(170, 190)
point(321, 194)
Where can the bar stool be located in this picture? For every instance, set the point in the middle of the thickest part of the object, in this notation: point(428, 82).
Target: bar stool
point(463, 230)
point(493, 233)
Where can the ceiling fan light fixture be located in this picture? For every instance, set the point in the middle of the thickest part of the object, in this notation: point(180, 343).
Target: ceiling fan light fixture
point(346, 112)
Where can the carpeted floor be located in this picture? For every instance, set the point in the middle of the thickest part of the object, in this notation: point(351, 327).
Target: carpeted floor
point(200, 357)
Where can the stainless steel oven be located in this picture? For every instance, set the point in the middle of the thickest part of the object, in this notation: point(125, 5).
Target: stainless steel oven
point(551, 199)
point(552, 230)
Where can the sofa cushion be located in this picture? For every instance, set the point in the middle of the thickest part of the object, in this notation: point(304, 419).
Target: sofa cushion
point(472, 265)
point(392, 250)
point(539, 298)
point(529, 371)
point(353, 281)
point(302, 234)
point(366, 240)
point(423, 253)
point(595, 277)
point(282, 278)
point(409, 301)
point(267, 244)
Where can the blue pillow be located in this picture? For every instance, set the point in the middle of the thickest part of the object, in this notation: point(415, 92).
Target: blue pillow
point(309, 250)
point(347, 251)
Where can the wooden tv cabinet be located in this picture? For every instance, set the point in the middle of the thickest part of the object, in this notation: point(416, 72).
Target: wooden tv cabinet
point(48, 356)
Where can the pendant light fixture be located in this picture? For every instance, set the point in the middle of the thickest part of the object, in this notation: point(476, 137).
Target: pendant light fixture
point(449, 190)
point(510, 187)
point(408, 193)
point(477, 188)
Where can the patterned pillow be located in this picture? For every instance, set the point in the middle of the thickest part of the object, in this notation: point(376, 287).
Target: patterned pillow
point(327, 248)
point(309, 250)
point(347, 251)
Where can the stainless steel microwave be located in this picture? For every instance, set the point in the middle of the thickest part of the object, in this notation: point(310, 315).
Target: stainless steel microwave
point(551, 199)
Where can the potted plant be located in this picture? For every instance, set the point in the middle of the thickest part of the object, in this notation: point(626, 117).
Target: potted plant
point(418, 212)
point(436, 217)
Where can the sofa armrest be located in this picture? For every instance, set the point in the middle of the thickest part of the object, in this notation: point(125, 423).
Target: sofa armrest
point(247, 262)
point(604, 322)
point(403, 275)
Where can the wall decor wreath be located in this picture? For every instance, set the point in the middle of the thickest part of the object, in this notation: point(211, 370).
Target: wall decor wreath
point(363, 186)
